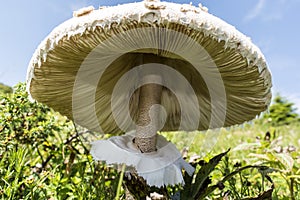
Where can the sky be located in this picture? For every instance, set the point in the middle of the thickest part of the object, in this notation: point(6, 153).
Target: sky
point(273, 25)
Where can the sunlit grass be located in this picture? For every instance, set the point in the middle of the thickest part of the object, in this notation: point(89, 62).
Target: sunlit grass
point(219, 140)
point(250, 145)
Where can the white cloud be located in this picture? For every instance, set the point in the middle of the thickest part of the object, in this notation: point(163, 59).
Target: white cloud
point(256, 11)
point(270, 10)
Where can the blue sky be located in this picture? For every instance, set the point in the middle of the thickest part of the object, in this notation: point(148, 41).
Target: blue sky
point(273, 25)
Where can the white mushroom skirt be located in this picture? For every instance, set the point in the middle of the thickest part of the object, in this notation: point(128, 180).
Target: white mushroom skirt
point(159, 168)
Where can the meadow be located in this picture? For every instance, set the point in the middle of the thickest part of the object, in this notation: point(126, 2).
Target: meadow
point(43, 155)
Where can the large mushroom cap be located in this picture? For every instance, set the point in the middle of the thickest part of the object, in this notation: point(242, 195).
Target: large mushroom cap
point(80, 68)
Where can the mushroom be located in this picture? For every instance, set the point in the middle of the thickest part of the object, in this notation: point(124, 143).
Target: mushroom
point(145, 67)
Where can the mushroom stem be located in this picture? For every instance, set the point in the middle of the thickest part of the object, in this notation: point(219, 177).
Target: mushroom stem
point(148, 117)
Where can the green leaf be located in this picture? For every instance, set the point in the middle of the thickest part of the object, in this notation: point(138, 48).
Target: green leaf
point(76, 180)
point(202, 177)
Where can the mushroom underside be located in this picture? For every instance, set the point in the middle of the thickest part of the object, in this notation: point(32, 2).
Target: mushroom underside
point(247, 88)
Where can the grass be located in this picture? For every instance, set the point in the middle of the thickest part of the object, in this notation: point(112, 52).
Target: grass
point(250, 144)
point(44, 156)
point(216, 141)
point(84, 179)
